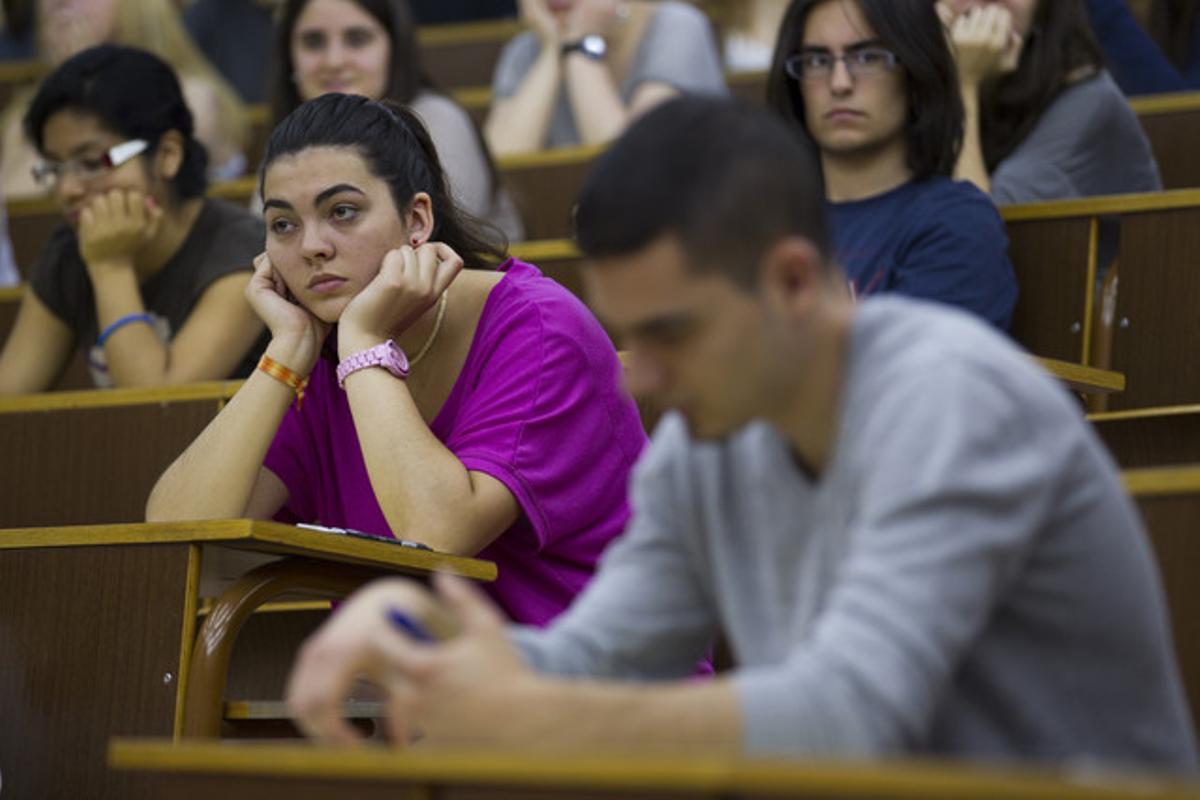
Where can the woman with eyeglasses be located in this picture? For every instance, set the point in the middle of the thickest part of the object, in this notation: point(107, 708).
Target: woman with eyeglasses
point(869, 84)
point(586, 68)
point(146, 274)
point(1045, 120)
point(67, 27)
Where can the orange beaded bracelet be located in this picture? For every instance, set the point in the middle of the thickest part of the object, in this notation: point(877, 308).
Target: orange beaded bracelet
point(284, 375)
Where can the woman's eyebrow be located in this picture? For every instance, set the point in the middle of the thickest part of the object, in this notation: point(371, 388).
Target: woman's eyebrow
point(321, 197)
point(860, 45)
point(337, 189)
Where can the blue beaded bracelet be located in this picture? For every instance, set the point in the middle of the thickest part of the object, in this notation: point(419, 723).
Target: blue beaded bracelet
point(121, 323)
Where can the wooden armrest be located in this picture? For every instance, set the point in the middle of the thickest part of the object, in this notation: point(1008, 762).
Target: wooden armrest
point(209, 670)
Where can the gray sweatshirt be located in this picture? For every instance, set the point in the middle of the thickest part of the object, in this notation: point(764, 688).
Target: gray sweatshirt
point(966, 577)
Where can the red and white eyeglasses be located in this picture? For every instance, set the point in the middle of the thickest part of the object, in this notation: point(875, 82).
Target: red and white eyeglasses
point(86, 167)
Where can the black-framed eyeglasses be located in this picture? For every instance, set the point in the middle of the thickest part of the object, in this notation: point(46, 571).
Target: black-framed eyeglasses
point(86, 168)
point(817, 65)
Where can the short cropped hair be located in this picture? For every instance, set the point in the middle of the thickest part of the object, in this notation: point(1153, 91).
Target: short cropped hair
point(133, 94)
point(913, 31)
point(728, 180)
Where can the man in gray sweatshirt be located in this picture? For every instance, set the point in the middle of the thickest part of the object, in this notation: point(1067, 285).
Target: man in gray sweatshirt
point(904, 528)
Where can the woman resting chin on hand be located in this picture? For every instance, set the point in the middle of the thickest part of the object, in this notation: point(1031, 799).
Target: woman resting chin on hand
point(146, 274)
point(418, 384)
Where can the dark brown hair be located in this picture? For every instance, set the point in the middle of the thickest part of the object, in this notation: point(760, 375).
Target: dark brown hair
point(397, 150)
point(912, 30)
point(1059, 44)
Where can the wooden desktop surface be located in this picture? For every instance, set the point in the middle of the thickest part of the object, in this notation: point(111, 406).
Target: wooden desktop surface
point(262, 767)
point(255, 535)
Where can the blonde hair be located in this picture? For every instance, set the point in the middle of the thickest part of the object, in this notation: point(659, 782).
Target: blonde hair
point(155, 26)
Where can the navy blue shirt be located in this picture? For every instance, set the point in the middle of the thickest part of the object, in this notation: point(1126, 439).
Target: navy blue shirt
point(937, 239)
point(1134, 58)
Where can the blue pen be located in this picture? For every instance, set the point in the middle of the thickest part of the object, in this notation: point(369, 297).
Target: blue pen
point(410, 626)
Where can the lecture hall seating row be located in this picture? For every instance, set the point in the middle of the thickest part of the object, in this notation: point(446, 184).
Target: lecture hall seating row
point(93, 450)
point(1139, 248)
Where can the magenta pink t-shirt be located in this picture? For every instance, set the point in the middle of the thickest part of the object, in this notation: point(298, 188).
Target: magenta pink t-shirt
point(538, 406)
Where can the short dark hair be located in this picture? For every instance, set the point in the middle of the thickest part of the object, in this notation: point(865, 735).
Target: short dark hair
point(1059, 43)
point(132, 93)
point(405, 78)
point(397, 150)
point(726, 179)
point(913, 31)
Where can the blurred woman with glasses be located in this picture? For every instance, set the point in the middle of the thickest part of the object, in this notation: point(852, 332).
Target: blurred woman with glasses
point(869, 84)
point(146, 275)
point(67, 27)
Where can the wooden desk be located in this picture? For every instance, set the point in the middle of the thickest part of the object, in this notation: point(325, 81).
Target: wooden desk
point(1062, 249)
point(464, 54)
point(1169, 500)
point(98, 634)
point(92, 457)
point(1151, 437)
point(307, 773)
point(545, 187)
point(1172, 124)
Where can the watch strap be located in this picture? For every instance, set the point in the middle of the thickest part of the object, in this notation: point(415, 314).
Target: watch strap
point(593, 46)
point(387, 355)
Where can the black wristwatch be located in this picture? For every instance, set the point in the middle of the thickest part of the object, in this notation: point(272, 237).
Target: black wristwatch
point(593, 46)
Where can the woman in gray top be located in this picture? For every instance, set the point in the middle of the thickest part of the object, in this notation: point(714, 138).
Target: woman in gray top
point(585, 68)
point(1045, 121)
point(369, 47)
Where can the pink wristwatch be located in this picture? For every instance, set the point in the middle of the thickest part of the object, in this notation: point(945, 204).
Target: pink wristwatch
point(387, 355)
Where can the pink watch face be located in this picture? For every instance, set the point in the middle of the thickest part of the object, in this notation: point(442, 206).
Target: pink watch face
point(394, 359)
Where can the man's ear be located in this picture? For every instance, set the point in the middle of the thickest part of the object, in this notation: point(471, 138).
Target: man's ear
point(418, 219)
point(792, 274)
point(168, 156)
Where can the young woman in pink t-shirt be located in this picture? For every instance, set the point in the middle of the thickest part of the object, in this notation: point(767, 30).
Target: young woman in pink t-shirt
point(476, 410)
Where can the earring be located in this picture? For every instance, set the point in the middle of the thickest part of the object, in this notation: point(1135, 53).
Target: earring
point(416, 240)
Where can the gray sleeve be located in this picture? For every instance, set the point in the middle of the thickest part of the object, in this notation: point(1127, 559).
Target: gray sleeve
point(460, 151)
point(680, 51)
point(516, 59)
point(1025, 177)
point(951, 500)
point(645, 615)
point(1088, 142)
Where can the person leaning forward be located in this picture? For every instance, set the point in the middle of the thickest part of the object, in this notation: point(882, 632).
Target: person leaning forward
point(907, 532)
